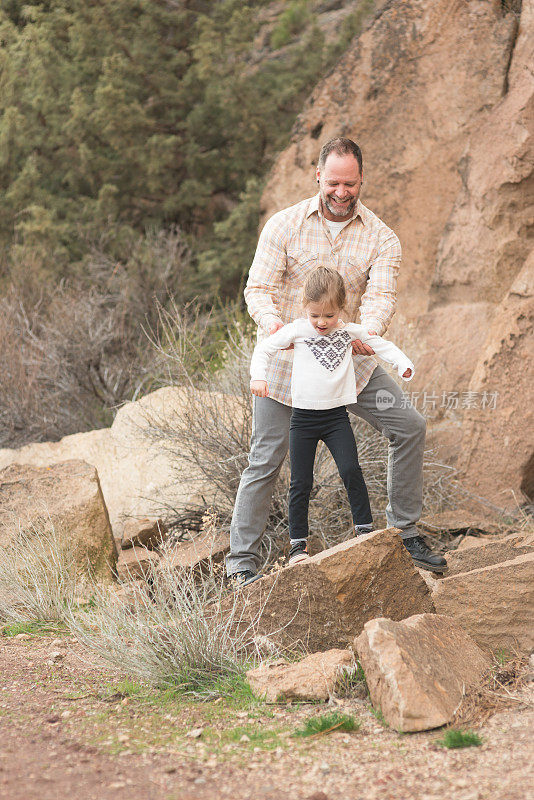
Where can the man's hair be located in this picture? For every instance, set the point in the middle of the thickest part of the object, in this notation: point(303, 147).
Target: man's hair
point(341, 147)
point(324, 285)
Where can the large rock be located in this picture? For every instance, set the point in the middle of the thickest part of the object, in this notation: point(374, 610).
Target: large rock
point(149, 533)
point(487, 552)
point(312, 679)
point(495, 604)
point(201, 553)
point(140, 476)
point(322, 603)
point(417, 670)
point(68, 498)
point(440, 97)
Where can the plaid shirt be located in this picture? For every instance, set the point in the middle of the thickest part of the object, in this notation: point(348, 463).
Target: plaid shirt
point(296, 240)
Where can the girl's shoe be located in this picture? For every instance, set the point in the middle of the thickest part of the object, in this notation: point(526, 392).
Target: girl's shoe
point(298, 552)
point(359, 530)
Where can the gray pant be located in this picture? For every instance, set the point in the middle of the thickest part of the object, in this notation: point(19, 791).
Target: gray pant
point(381, 404)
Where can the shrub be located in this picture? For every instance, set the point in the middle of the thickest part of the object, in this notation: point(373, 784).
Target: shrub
point(172, 634)
point(38, 577)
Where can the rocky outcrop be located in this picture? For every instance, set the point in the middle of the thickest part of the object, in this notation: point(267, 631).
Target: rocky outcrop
point(140, 476)
point(323, 602)
point(66, 497)
point(494, 604)
point(417, 670)
point(312, 679)
point(440, 97)
point(136, 562)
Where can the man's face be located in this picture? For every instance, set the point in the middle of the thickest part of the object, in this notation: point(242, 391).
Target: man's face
point(339, 186)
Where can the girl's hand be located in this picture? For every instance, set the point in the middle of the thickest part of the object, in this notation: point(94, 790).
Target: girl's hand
point(407, 374)
point(259, 388)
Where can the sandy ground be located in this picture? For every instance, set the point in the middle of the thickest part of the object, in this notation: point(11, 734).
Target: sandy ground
point(71, 729)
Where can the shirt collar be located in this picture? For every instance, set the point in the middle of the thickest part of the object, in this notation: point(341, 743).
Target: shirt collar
point(314, 206)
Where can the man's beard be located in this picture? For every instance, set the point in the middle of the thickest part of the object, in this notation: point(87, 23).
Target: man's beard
point(349, 208)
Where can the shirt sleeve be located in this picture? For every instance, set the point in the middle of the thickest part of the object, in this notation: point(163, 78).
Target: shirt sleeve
point(388, 351)
point(380, 297)
point(261, 291)
point(266, 349)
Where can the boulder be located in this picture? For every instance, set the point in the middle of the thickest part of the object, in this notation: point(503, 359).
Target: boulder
point(312, 679)
point(485, 552)
point(139, 475)
point(149, 533)
point(206, 549)
point(136, 562)
point(323, 602)
point(64, 496)
point(417, 670)
point(494, 604)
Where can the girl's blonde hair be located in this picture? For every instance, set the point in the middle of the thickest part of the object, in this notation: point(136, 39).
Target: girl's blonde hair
point(324, 285)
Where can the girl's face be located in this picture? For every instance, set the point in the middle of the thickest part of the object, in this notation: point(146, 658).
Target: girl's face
point(323, 316)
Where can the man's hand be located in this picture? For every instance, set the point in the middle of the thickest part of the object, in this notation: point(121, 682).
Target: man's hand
point(259, 388)
point(361, 349)
point(273, 327)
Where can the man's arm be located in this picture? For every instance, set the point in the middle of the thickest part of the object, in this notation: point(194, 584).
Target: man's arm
point(263, 284)
point(380, 297)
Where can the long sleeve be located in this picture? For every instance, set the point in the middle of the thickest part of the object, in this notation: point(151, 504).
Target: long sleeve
point(266, 349)
point(380, 297)
point(263, 284)
point(388, 351)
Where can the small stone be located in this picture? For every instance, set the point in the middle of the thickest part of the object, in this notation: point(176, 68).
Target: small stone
point(123, 737)
point(324, 766)
point(22, 637)
point(55, 656)
point(245, 738)
point(195, 733)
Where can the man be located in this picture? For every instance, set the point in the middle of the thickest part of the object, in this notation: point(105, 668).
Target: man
point(332, 229)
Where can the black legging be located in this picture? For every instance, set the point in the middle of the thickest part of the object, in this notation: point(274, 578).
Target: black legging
point(332, 426)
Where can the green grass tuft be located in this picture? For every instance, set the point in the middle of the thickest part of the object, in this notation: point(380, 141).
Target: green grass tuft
point(326, 723)
point(457, 738)
point(33, 628)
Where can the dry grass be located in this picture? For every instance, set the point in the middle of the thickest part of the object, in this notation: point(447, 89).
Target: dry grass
point(38, 577)
point(172, 633)
point(499, 690)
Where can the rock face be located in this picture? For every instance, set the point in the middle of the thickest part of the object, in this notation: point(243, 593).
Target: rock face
point(494, 604)
point(66, 496)
point(441, 99)
point(139, 477)
point(322, 603)
point(312, 679)
point(416, 670)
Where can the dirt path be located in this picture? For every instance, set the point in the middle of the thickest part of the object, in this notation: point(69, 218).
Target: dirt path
point(67, 731)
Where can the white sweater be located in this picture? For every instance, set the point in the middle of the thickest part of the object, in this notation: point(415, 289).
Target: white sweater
point(323, 372)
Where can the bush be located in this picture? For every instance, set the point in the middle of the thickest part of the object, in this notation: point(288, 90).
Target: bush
point(173, 634)
point(38, 577)
point(454, 738)
point(70, 356)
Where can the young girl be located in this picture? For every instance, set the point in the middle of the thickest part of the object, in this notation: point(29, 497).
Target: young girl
point(322, 384)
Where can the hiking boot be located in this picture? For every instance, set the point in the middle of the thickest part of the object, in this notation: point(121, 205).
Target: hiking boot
point(359, 530)
point(423, 556)
point(243, 578)
point(298, 552)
